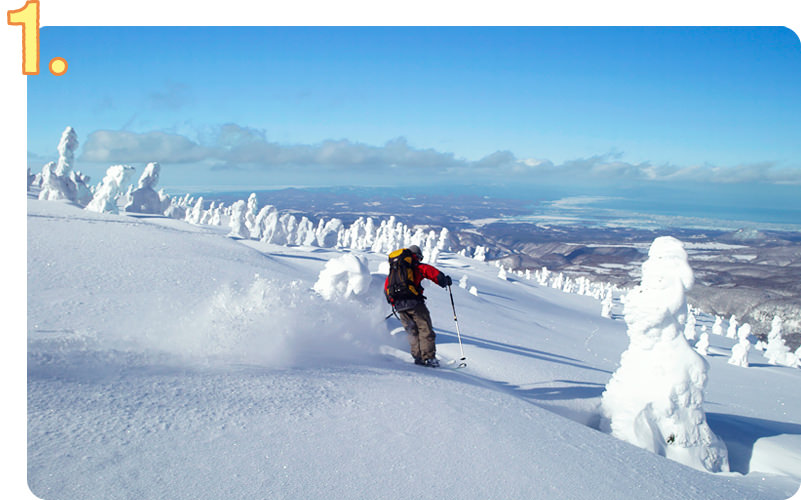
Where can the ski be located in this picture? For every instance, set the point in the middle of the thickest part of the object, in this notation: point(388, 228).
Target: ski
point(460, 363)
point(447, 364)
point(452, 364)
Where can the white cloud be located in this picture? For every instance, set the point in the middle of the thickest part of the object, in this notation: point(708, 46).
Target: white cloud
point(128, 147)
point(764, 172)
point(497, 159)
point(233, 147)
point(607, 167)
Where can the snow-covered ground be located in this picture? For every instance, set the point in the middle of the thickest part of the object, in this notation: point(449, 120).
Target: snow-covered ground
point(166, 360)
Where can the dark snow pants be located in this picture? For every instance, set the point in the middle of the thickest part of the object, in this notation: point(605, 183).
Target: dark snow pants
point(417, 322)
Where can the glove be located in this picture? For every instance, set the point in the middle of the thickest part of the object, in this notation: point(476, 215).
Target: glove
point(444, 280)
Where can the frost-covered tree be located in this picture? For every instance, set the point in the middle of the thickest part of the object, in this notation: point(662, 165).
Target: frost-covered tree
point(328, 233)
point(56, 183)
point(431, 255)
point(252, 212)
point(124, 198)
point(53, 186)
point(583, 285)
point(290, 224)
point(358, 236)
point(606, 305)
point(717, 328)
point(218, 215)
point(166, 200)
point(760, 345)
point(739, 352)
point(544, 275)
point(387, 236)
point(689, 325)
point(272, 232)
point(655, 398)
point(238, 224)
point(83, 195)
point(445, 242)
point(175, 210)
point(66, 151)
point(109, 190)
point(279, 229)
point(260, 223)
point(502, 273)
point(777, 351)
point(568, 286)
point(305, 232)
point(144, 199)
point(58, 180)
point(731, 331)
point(702, 346)
point(195, 214)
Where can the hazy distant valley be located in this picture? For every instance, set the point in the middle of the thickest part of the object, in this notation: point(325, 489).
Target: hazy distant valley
point(750, 274)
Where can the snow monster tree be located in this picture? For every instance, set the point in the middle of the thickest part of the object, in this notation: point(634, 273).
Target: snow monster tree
point(655, 398)
point(59, 181)
point(145, 199)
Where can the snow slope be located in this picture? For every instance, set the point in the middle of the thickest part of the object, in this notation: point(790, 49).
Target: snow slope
point(166, 360)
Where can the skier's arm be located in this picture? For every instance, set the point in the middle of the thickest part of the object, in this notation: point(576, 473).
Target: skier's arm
point(435, 275)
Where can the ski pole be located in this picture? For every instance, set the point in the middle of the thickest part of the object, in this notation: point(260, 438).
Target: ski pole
point(393, 313)
point(462, 362)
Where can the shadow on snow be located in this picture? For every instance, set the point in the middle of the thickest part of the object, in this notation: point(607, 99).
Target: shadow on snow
point(741, 433)
point(519, 350)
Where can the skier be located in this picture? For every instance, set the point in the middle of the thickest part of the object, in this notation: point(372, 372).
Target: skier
point(403, 290)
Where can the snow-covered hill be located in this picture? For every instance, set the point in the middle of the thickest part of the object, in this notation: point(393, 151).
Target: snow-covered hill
point(166, 360)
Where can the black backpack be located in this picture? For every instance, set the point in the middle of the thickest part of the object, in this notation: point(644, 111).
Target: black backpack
point(401, 285)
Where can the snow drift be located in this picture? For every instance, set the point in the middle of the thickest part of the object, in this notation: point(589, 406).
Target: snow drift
point(343, 277)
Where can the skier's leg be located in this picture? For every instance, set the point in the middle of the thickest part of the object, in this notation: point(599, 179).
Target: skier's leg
point(425, 332)
point(410, 325)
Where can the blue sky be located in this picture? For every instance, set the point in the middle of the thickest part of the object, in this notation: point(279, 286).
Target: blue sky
point(236, 106)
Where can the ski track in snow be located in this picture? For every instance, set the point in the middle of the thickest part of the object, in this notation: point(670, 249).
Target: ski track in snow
point(166, 361)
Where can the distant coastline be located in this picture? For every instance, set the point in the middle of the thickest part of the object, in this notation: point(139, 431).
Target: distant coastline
point(728, 209)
